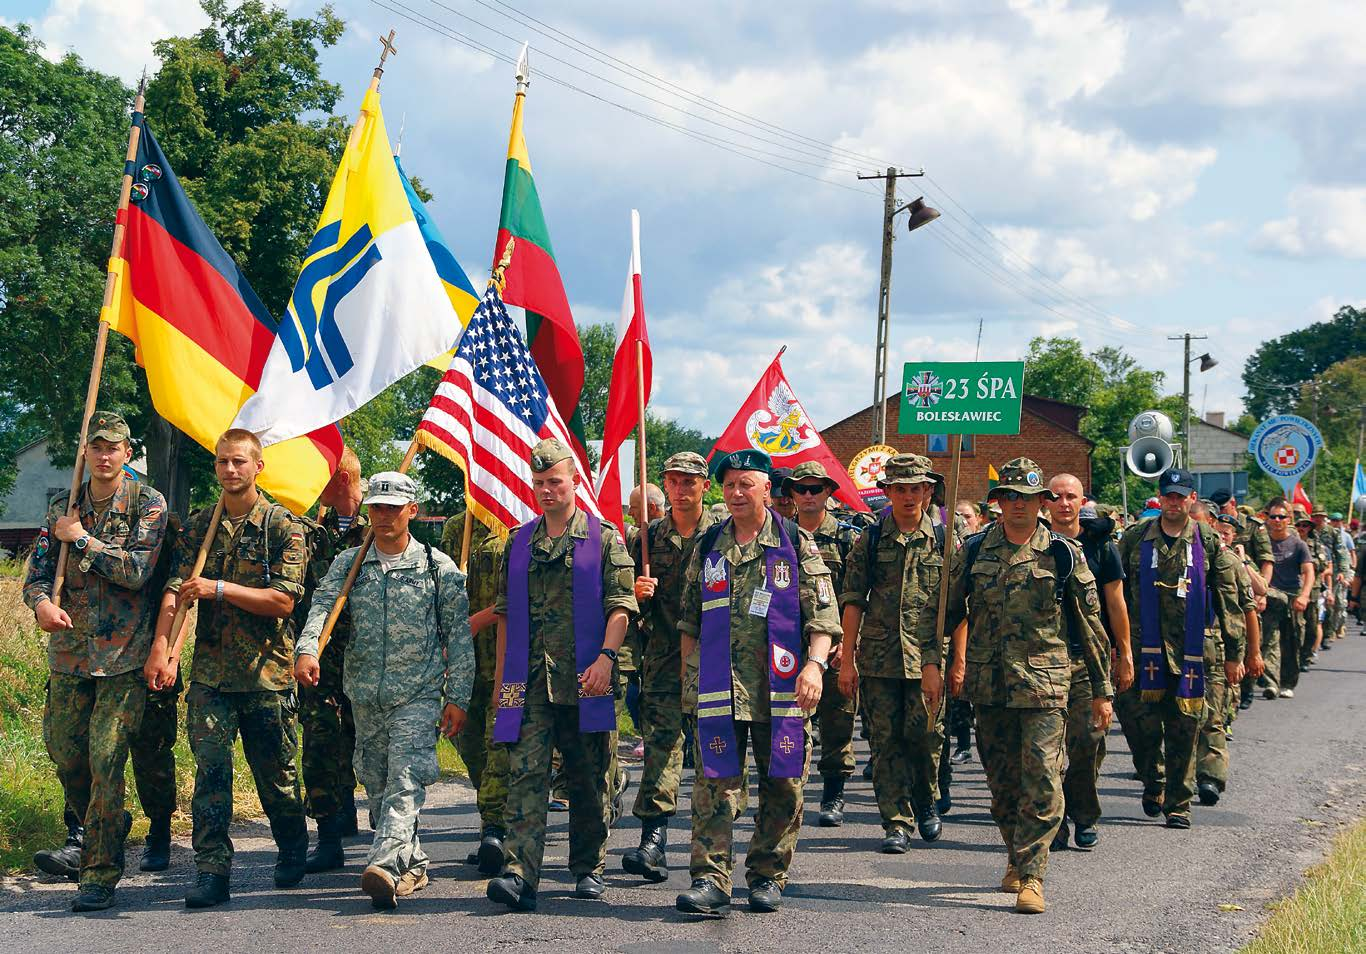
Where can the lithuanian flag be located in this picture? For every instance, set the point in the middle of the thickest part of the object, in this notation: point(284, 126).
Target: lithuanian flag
point(531, 278)
point(201, 333)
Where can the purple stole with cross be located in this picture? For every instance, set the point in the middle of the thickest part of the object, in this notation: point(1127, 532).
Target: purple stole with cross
point(715, 699)
point(596, 713)
point(1152, 672)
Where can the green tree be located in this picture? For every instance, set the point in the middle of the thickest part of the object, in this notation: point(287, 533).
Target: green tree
point(1335, 401)
point(1275, 371)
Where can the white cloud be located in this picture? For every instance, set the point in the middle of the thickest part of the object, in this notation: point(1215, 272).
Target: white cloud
point(1323, 221)
point(115, 36)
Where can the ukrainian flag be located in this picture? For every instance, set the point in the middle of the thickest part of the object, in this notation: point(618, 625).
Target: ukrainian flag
point(368, 307)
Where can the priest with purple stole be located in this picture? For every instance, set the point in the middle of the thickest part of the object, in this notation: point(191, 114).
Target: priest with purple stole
point(757, 618)
point(566, 590)
point(1179, 579)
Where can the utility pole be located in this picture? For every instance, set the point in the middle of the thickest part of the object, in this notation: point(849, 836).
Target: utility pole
point(920, 214)
point(1186, 393)
point(1314, 472)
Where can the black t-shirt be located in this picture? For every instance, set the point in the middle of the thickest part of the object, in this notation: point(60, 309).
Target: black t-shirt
point(1288, 556)
point(1102, 556)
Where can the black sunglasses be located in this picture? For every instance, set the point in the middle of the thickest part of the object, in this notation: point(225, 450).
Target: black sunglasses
point(1012, 495)
point(1277, 516)
point(811, 489)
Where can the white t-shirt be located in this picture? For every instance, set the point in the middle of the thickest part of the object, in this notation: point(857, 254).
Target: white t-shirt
point(387, 560)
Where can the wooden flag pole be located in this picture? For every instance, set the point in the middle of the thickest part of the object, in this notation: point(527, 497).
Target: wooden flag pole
point(950, 496)
point(92, 388)
point(181, 607)
point(466, 532)
point(644, 499)
point(361, 551)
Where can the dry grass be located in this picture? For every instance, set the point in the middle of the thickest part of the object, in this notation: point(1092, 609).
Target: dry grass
point(1327, 915)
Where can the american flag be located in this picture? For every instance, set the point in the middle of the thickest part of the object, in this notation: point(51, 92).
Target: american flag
point(489, 410)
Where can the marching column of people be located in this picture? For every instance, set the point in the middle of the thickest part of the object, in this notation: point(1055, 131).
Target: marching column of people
point(753, 630)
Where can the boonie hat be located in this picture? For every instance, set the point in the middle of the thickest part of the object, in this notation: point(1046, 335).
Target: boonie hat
point(806, 470)
point(907, 469)
point(1023, 476)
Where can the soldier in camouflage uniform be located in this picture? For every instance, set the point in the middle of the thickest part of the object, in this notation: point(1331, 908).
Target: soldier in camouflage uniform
point(810, 487)
point(98, 643)
point(1339, 560)
point(673, 537)
point(410, 665)
point(886, 656)
point(1017, 670)
point(545, 708)
point(1167, 725)
point(1310, 628)
point(242, 680)
point(486, 760)
point(324, 709)
point(740, 549)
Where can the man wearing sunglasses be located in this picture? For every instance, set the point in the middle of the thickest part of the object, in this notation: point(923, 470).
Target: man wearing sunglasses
point(1292, 579)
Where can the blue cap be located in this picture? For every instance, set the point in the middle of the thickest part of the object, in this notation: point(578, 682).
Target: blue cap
point(1176, 480)
point(747, 459)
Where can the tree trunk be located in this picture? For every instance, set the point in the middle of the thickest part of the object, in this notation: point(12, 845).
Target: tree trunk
point(168, 465)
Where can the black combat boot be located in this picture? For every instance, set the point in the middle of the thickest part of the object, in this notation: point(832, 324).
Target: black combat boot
point(346, 816)
point(156, 853)
point(329, 854)
point(832, 802)
point(490, 855)
point(648, 860)
point(704, 897)
point(209, 890)
point(291, 864)
point(93, 897)
point(511, 890)
point(64, 862)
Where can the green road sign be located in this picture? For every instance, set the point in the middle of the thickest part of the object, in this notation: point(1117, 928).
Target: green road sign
point(961, 397)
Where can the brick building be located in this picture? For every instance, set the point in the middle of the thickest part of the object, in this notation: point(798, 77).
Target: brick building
point(1048, 435)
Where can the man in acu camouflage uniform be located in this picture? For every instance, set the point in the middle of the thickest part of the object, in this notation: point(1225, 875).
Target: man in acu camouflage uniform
point(810, 487)
point(242, 680)
point(887, 658)
point(673, 538)
point(1017, 669)
point(324, 709)
point(97, 646)
point(560, 695)
point(779, 596)
point(410, 665)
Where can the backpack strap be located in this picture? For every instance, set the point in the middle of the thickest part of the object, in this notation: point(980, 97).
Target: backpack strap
point(435, 574)
point(1065, 563)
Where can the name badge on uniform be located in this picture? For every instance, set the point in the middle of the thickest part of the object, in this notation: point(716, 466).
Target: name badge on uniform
point(758, 603)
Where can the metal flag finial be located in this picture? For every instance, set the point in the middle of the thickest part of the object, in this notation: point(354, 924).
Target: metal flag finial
point(523, 69)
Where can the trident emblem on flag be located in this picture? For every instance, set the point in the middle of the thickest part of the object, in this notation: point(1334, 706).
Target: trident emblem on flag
point(312, 331)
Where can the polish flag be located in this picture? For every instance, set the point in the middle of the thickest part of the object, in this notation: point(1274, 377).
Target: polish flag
point(630, 390)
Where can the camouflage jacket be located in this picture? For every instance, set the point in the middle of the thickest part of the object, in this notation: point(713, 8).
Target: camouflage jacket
point(1017, 650)
point(1339, 556)
point(1221, 580)
point(1255, 540)
point(749, 656)
point(892, 585)
point(834, 540)
point(550, 593)
point(111, 612)
point(1323, 561)
point(486, 556)
point(237, 651)
point(324, 539)
point(410, 628)
point(660, 662)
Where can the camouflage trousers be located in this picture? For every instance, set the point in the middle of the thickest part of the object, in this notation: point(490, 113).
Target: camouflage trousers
point(265, 721)
point(835, 717)
point(396, 756)
point(1211, 752)
point(1085, 752)
point(1282, 635)
point(662, 715)
point(908, 744)
point(1335, 621)
point(1311, 633)
point(329, 739)
point(153, 751)
point(87, 725)
point(1022, 753)
point(486, 760)
point(1164, 745)
point(716, 803)
point(588, 759)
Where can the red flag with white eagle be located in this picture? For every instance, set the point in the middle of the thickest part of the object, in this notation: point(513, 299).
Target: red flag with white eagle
point(630, 390)
point(773, 420)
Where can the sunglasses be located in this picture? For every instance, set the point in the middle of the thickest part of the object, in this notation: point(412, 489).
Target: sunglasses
point(1012, 495)
point(810, 489)
point(1277, 516)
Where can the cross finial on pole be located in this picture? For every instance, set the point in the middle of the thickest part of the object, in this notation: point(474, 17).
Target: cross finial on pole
point(386, 47)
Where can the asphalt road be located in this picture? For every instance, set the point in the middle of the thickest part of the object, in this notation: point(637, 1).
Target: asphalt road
point(1298, 775)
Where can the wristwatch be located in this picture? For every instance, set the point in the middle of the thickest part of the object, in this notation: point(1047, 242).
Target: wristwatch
point(81, 542)
point(824, 664)
point(609, 653)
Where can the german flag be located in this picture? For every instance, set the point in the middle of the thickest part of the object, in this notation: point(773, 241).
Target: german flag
point(201, 333)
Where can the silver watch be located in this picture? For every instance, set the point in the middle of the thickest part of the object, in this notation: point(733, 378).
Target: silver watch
point(824, 664)
point(82, 542)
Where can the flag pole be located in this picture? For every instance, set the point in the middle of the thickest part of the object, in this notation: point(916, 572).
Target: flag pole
point(466, 532)
point(950, 496)
point(202, 557)
point(644, 500)
point(92, 388)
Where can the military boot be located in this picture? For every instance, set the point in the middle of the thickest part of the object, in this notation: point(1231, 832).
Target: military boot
point(832, 802)
point(209, 890)
point(156, 853)
point(64, 862)
point(490, 856)
point(346, 815)
point(291, 864)
point(329, 854)
point(648, 860)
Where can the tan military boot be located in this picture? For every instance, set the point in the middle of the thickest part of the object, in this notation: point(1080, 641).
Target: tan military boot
point(1010, 884)
point(380, 886)
point(410, 882)
point(1030, 898)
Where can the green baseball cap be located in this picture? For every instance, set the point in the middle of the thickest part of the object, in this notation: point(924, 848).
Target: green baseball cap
point(549, 452)
point(687, 462)
point(108, 426)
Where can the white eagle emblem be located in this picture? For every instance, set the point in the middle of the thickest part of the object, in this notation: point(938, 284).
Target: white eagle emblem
point(714, 574)
point(782, 428)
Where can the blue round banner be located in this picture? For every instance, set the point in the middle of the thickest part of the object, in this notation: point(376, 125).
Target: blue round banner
point(1285, 447)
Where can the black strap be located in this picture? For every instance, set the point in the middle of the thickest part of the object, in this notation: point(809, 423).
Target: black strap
point(709, 538)
point(436, 586)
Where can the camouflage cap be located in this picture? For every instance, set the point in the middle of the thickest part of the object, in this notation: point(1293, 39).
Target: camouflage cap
point(108, 426)
point(686, 462)
point(907, 469)
point(805, 471)
point(1246, 510)
point(391, 487)
point(1023, 476)
point(747, 459)
point(549, 452)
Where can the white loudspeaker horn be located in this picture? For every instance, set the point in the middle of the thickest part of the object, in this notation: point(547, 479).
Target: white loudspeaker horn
point(1148, 457)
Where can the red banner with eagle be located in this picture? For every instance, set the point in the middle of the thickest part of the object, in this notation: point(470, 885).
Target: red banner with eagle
point(772, 420)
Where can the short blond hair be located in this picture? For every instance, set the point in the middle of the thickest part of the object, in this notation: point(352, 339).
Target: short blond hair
point(240, 435)
point(349, 462)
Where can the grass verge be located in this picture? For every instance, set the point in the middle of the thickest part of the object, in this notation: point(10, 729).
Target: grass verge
point(1327, 914)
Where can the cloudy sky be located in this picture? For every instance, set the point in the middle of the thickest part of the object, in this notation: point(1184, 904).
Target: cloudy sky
point(1121, 172)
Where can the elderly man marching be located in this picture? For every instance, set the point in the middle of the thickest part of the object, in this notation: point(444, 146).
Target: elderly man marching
point(409, 666)
point(758, 614)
